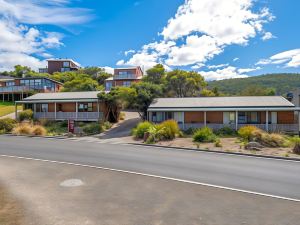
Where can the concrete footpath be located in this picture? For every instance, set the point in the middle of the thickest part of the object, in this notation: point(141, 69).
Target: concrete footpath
point(59, 194)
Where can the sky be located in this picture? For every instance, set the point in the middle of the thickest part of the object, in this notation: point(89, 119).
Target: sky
point(220, 39)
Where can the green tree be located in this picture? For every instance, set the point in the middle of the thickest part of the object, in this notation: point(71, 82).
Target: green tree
point(116, 100)
point(155, 75)
point(182, 83)
point(145, 94)
point(255, 90)
point(82, 83)
point(96, 73)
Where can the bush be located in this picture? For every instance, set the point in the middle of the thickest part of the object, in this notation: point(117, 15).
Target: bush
point(226, 131)
point(190, 131)
point(296, 144)
point(141, 129)
point(218, 143)
point(246, 132)
point(7, 125)
point(22, 129)
point(251, 133)
point(169, 129)
point(38, 130)
point(204, 134)
point(92, 128)
point(26, 115)
point(122, 116)
point(107, 125)
point(55, 127)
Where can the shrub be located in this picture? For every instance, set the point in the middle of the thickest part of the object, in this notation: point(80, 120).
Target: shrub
point(56, 128)
point(226, 131)
point(218, 143)
point(93, 128)
point(246, 132)
point(7, 125)
point(22, 129)
point(204, 134)
point(26, 115)
point(190, 131)
point(169, 129)
point(122, 116)
point(141, 129)
point(38, 130)
point(296, 144)
point(107, 125)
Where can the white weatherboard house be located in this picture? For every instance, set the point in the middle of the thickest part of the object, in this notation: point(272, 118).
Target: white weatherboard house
point(271, 113)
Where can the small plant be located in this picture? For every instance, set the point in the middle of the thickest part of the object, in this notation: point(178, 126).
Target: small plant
point(190, 131)
point(22, 129)
point(225, 132)
point(296, 145)
point(122, 116)
point(38, 130)
point(106, 125)
point(92, 128)
point(218, 143)
point(204, 134)
point(169, 129)
point(141, 129)
point(246, 132)
point(25, 115)
point(7, 125)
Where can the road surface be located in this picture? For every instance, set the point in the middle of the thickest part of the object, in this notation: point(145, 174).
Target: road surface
point(267, 176)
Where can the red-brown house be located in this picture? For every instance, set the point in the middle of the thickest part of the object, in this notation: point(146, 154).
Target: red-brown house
point(60, 65)
point(124, 77)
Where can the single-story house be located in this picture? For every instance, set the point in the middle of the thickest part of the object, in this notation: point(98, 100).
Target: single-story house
point(79, 106)
point(271, 113)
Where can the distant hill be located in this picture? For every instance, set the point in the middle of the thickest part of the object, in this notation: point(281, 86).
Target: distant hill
point(282, 83)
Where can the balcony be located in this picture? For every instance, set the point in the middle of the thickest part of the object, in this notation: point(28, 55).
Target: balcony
point(14, 89)
point(80, 116)
point(125, 76)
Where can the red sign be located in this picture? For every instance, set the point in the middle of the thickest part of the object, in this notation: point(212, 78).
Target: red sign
point(71, 126)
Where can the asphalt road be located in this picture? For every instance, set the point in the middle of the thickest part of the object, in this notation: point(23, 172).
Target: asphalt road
point(268, 176)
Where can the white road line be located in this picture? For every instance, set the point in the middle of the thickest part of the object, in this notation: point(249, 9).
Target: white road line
point(156, 176)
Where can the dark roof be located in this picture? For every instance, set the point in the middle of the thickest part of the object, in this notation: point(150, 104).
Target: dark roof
point(222, 102)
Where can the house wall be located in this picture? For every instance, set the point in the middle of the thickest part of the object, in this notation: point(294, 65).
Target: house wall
point(285, 117)
point(137, 72)
point(194, 117)
point(54, 66)
point(214, 117)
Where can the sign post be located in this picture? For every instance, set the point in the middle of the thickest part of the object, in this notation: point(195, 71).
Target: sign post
point(71, 126)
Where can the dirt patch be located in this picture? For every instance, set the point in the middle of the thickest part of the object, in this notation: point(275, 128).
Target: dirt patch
point(228, 145)
point(11, 212)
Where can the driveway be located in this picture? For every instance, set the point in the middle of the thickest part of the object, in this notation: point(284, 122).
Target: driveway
point(59, 194)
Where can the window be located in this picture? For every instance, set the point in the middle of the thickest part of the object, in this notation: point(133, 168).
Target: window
point(108, 86)
point(66, 64)
point(169, 115)
point(157, 117)
point(85, 107)
point(253, 117)
point(10, 83)
point(231, 117)
point(126, 83)
point(65, 69)
point(42, 107)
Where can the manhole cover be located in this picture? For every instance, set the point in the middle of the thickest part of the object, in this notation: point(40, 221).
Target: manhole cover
point(71, 183)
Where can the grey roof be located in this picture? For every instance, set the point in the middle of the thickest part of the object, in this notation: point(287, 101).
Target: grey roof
point(62, 96)
point(222, 102)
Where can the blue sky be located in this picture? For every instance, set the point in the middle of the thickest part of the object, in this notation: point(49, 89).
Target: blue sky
point(219, 38)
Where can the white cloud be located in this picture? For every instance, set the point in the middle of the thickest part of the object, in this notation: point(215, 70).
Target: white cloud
point(248, 70)
point(289, 58)
point(198, 66)
point(267, 36)
point(221, 74)
point(201, 30)
point(26, 44)
point(217, 66)
point(236, 59)
point(108, 69)
point(131, 51)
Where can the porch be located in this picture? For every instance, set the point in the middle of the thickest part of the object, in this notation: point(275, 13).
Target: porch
point(80, 116)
